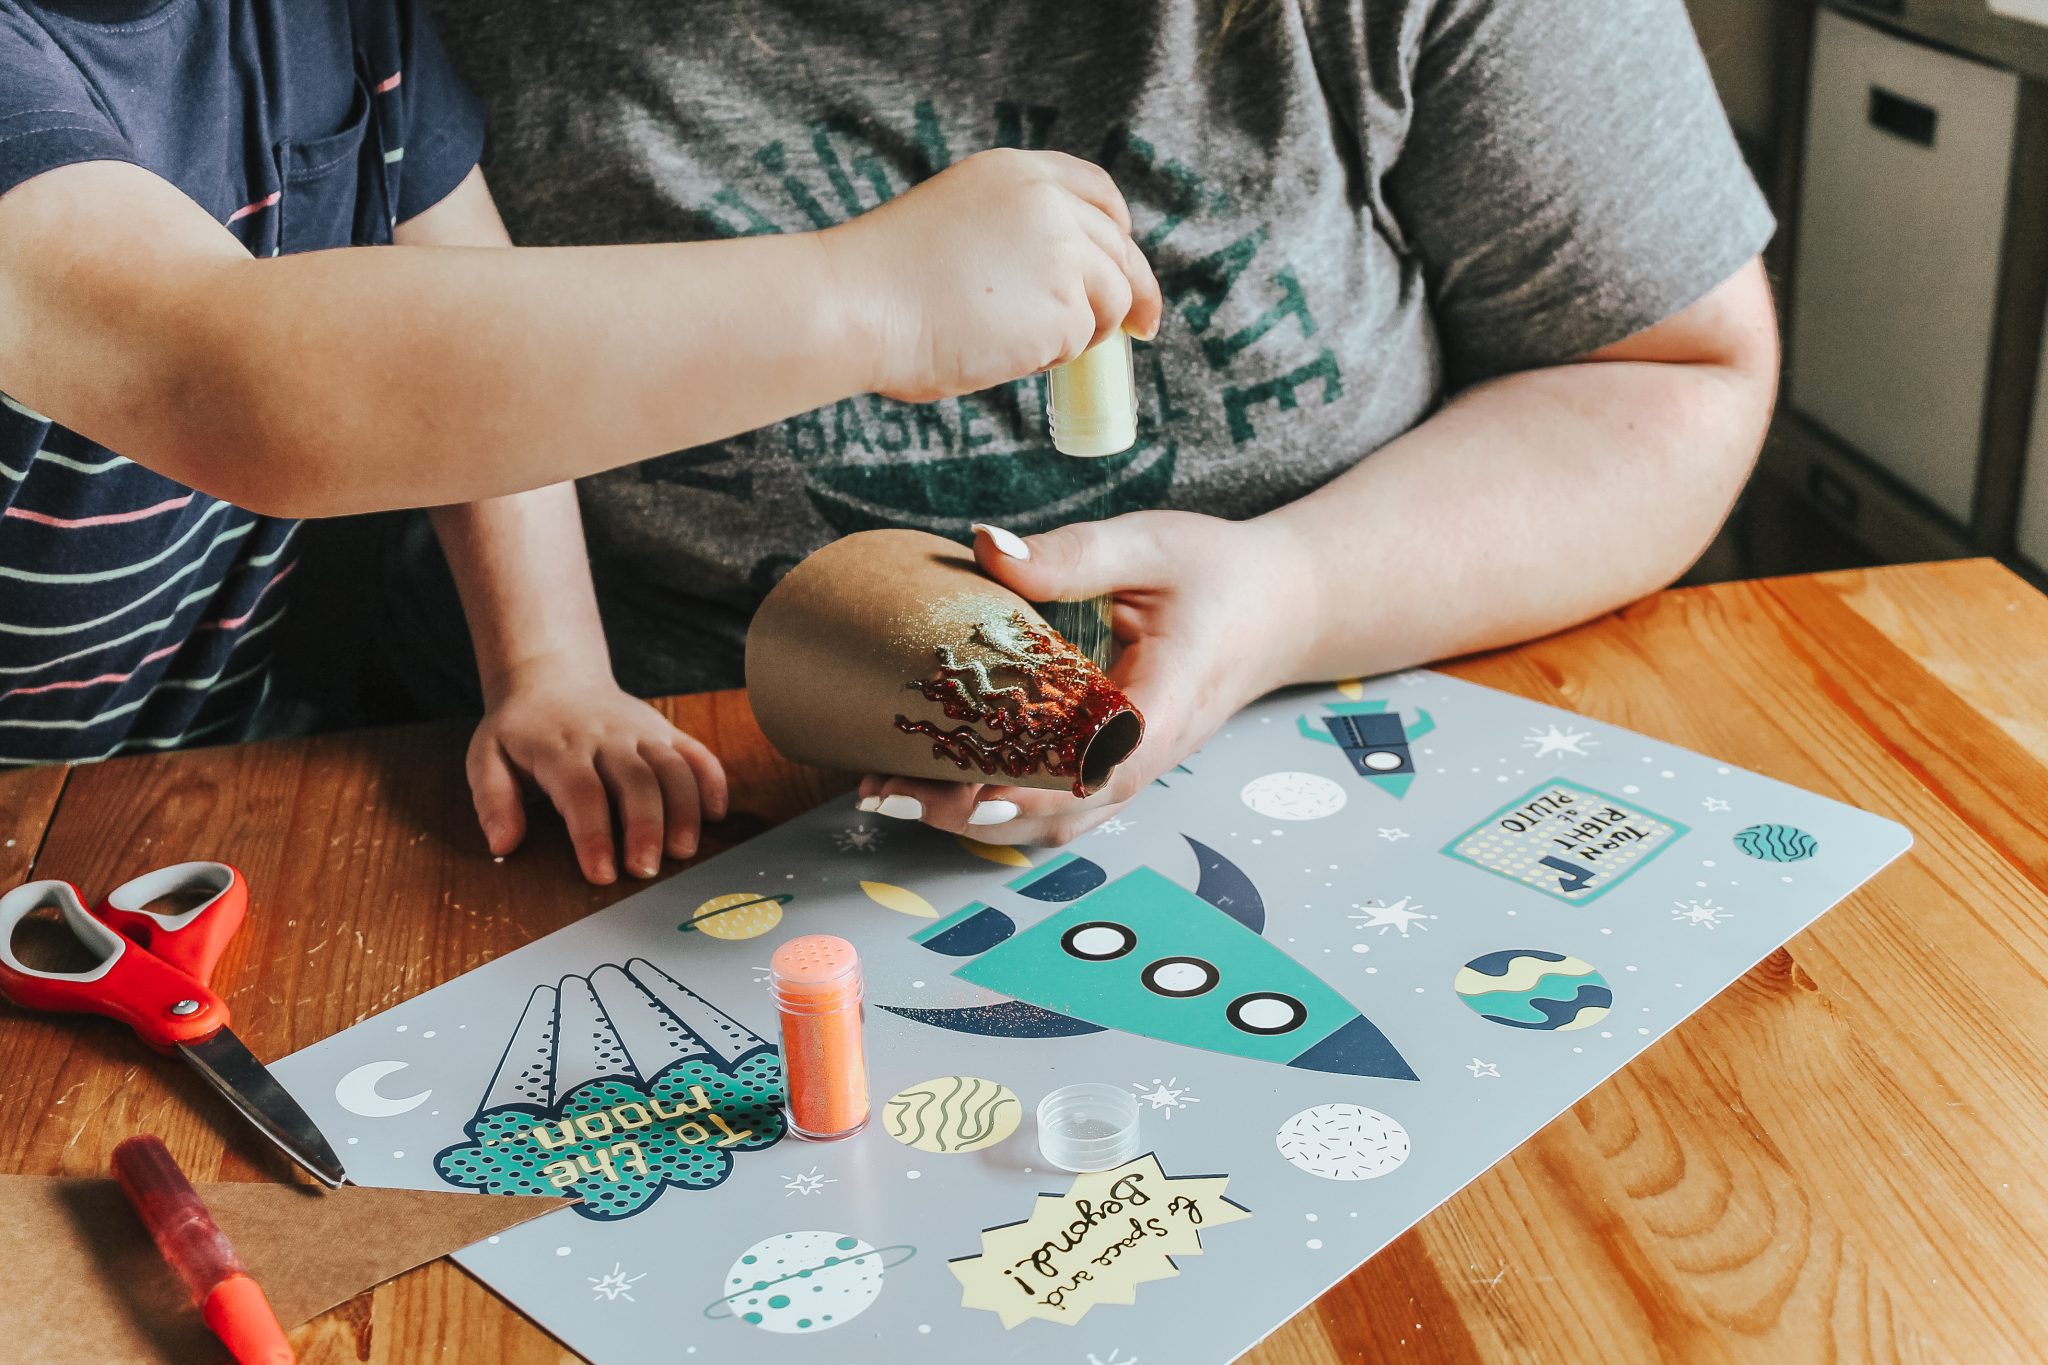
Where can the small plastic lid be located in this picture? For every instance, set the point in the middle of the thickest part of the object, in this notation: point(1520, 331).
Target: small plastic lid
point(815, 974)
point(1088, 1127)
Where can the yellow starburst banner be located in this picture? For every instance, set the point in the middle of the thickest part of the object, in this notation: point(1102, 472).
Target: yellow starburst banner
point(1096, 1243)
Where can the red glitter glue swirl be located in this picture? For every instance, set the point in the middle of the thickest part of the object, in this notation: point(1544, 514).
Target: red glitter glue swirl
point(1043, 724)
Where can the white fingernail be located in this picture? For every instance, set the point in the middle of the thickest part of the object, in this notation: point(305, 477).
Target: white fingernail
point(993, 813)
point(869, 805)
point(1005, 541)
point(901, 807)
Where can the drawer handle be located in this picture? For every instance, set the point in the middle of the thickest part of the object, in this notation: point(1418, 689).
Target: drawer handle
point(1902, 117)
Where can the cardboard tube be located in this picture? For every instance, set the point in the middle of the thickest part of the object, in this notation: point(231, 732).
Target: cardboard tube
point(857, 657)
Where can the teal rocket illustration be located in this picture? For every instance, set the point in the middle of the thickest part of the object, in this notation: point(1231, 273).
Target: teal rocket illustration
point(1144, 955)
point(1374, 738)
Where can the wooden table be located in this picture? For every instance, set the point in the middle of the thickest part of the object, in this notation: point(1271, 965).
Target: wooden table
point(1845, 1156)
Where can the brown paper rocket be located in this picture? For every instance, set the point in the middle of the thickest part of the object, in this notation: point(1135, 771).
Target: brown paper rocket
point(890, 652)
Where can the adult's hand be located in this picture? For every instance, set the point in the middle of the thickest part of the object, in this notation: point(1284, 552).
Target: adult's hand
point(1202, 610)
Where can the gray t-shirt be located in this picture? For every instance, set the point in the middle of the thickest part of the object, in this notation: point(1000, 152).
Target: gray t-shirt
point(1353, 209)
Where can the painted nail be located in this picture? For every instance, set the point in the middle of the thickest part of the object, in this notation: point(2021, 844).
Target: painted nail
point(869, 805)
point(901, 807)
point(993, 813)
point(1005, 541)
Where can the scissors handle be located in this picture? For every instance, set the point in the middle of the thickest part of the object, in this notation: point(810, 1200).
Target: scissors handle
point(190, 939)
point(165, 1006)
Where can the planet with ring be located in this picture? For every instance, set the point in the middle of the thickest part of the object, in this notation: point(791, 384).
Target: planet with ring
point(741, 915)
point(1293, 796)
point(797, 1283)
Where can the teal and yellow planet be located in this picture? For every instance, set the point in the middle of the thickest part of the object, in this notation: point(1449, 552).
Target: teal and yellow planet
point(1530, 988)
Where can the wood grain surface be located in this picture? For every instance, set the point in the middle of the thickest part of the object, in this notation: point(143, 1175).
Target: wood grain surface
point(1840, 1158)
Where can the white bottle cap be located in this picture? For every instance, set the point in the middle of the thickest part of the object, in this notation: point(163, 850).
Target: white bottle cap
point(1091, 402)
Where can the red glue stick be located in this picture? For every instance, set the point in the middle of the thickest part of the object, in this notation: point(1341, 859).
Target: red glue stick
point(200, 1253)
point(816, 983)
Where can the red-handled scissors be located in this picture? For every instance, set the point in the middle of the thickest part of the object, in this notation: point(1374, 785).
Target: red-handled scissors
point(151, 973)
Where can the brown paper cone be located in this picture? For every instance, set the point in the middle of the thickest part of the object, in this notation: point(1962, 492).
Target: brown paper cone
point(890, 652)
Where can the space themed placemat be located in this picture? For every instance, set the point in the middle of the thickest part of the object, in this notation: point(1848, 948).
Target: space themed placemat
point(1346, 957)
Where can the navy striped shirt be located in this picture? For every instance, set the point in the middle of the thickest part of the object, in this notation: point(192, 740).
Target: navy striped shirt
point(135, 612)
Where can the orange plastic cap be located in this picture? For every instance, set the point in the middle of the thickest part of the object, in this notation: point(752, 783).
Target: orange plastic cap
point(240, 1316)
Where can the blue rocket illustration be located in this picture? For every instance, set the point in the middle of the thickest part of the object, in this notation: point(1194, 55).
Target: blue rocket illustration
point(1374, 739)
point(1144, 955)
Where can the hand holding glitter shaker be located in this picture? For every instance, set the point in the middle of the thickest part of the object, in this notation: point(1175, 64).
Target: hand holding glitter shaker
point(816, 984)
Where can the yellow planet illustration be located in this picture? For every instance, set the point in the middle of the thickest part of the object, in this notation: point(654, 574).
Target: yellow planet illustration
point(742, 915)
point(995, 853)
point(952, 1114)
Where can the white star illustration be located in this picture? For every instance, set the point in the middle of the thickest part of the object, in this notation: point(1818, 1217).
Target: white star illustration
point(1168, 1095)
point(1558, 741)
point(1393, 836)
point(616, 1285)
point(1700, 912)
point(1400, 915)
point(1479, 1068)
point(1115, 1357)
point(1714, 803)
point(1116, 824)
point(858, 839)
point(806, 1182)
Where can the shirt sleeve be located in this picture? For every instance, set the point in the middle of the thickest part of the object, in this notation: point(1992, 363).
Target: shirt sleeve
point(433, 127)
point(48, 114)
point(1569, 178)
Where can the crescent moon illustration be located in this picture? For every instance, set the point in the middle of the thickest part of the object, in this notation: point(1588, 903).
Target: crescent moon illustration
point(357, 1092)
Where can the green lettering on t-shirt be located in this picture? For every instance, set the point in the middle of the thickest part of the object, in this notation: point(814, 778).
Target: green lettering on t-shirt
point(1293, 304)
point(1183, 187)
point(931, 139)
point(866, 165)
point(756, 224)
point(1238, 402)
point(1023, 125)
point(774, 159)
point(847, 429)
point(1209, 279)
point(805, 434)
point(928, 419)
point(893, 428)
point(970, 413)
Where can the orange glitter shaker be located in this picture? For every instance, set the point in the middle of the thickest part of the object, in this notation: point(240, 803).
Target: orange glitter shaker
point(816, 983)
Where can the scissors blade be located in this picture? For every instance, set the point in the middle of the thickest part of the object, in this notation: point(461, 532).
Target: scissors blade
point(248, 1085)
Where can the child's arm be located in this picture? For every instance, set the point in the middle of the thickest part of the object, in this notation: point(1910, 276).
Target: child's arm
point(406, 376)
point(554, 717)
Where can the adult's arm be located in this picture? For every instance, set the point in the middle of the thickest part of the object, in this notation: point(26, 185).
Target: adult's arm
point(1534, 501)
point(404, 376)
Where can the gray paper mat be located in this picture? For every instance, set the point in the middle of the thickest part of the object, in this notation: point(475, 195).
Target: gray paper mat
point(1347, 888)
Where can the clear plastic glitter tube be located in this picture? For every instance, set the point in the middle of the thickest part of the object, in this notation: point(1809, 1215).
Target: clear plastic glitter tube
point(816, 984)
point(1091, 402)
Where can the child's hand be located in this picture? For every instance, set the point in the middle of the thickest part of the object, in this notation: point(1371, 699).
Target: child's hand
point(589, 746)
point(1003, 265)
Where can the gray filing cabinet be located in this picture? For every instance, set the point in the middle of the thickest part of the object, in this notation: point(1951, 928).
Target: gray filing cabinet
point(1901, 215)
